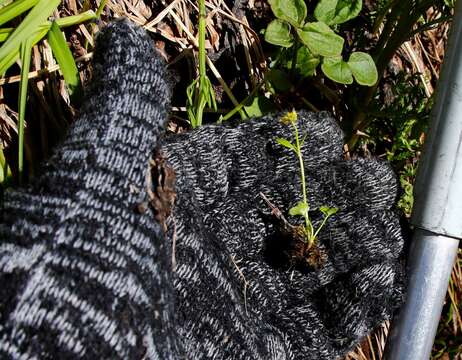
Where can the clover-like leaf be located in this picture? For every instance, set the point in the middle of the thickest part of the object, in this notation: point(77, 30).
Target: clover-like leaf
point(328, 211)
point(286, 143)
point(363, 68)
point(301, 208)
point(337, 11)
point(292, 11)
point(278, 33)
point(306, 62)
point(321, 39)
point(337, 70)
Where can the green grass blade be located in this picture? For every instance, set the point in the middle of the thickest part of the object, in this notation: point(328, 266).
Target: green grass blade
point(4, 33)
point(3, 166)
point(38, 15)
point(5, 2)
point(11, 58)
point(5, 171)
point(15, 9)
point(65, 60)
point(76, 19)
point(100, 9)
point(62, 23)
point(25, 50)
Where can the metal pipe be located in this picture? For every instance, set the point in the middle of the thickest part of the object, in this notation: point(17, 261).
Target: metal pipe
point(436, 216)
point(413, 332)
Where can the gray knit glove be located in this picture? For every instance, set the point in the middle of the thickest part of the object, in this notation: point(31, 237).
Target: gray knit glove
point(87, 272)
point(239, 294)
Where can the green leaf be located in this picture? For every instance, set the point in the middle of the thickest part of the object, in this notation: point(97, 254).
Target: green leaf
point(278, 33)
point(5, 2)
point(65, 61)
point(4, 33)
point(75, 19)
point(16, 8)
point(62, 23)
point(306, 62)
point(286, 143)
point(328, 211)
point(28, 28)
point(279, 79)
point(363, 68)
point(337, 11)
point(321, 39)
point(25, 51)
point(4, 169)
point(258, 106)
point(300, 208)
point(337, 70)
point(209, 94)
point(292, 11)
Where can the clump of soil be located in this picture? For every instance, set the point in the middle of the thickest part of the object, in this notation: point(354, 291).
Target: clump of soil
point(288, 247)
point(160, 187)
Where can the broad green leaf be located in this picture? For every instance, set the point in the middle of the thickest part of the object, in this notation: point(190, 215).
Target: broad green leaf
point(259, 106)
point(300, 208)
point(321, 39)
point(363, 68)
point(337, 11)
point(25, 51)
point(328, 211)
point(306, 62)
point(337, 70)
point(279, 80)
point(286, 143)
point(16, 8)
point(292, 11)
point(65, 61)
point(278, 33)
point(29, 26)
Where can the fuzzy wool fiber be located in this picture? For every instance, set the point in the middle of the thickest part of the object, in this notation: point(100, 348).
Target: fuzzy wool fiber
point(84, 276)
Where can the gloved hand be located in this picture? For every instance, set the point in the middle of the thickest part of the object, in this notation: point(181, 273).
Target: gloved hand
point(86, 269)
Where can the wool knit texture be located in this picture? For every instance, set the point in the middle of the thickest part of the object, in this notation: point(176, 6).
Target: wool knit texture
point(84, 276)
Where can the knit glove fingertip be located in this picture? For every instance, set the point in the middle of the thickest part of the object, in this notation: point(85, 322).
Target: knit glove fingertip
point(122, 117)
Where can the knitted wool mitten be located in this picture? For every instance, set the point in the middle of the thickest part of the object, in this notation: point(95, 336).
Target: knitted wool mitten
point(85, 276)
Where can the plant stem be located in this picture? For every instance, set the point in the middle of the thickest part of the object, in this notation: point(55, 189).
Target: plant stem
point(294, 58)
point(202, 56)
point(308, 225)
point(320, 226)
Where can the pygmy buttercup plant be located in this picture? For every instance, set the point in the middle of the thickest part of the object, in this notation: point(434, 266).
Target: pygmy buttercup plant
point(302, 208)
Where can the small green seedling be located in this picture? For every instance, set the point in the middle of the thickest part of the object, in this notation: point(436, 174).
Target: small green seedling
point(302, 208)
point(310, 43)
point(200, 92)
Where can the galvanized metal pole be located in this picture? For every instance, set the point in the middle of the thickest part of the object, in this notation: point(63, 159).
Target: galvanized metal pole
point(437, 215)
